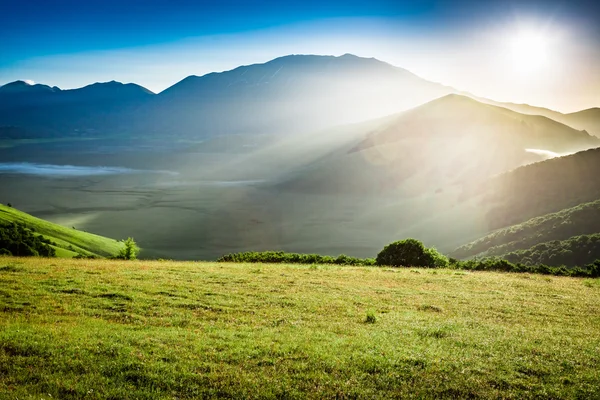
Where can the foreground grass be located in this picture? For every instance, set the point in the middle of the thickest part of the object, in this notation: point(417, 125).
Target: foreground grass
point(146, 330)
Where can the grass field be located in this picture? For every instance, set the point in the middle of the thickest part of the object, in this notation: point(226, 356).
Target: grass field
point(144, 330)
point(69, 242)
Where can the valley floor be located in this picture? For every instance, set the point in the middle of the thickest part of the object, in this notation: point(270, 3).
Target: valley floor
point(160, 329)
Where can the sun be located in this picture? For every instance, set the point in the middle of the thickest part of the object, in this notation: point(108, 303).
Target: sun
point(529, 51)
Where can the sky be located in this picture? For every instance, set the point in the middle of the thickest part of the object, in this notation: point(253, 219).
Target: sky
point(544, 52)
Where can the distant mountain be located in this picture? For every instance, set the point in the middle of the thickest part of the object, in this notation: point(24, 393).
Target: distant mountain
point(453, 140)
point(24, 88)
point(290, 94)
point(588, 120)
point(45, 110)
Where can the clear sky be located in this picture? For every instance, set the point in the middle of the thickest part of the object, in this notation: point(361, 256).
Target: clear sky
point(544, 52)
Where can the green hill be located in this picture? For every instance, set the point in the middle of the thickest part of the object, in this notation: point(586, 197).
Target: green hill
point(69, 241)
point(539, 189)
point(579, 220)
point(578, 250)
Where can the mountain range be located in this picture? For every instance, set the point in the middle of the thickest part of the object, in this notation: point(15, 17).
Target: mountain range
point(290, 94)
point(286, 95)
point(302, 153)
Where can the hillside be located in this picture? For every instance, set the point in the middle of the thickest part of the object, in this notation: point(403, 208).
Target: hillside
point(572, 252)
point(453, 140)
point(70, 242)
point(148, 329)
point(588, 120)
point(579, 220)
point(538, 189)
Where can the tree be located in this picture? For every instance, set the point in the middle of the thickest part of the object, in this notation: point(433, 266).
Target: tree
point(410, 253)
point(129, 251)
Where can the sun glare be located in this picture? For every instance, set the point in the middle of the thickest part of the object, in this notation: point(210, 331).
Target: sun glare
point(529, 51)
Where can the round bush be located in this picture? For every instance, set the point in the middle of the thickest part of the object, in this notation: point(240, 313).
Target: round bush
point(410, 253)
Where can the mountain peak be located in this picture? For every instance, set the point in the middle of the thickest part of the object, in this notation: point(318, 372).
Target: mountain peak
point(22, 86)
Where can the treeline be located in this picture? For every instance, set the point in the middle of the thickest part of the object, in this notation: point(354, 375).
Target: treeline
point(591, 270)
point(412, 253)
point(578, 250)
point(281, 257)
point(562, 225)
point(18, 240)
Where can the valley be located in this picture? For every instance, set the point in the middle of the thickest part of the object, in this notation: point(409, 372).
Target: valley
point(437, 172)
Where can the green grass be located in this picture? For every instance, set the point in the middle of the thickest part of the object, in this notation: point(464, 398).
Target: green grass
point(102, 329)
point(70, 242)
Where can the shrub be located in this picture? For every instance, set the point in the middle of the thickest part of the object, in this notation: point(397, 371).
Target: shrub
point(129, 251)
point(410, 253)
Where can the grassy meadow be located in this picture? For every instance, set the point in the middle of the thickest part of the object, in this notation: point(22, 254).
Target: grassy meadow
point(70, 242)
point(102, 329)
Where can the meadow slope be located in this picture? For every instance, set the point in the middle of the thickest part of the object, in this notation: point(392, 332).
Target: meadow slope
point(69, 241)
point(146, 330)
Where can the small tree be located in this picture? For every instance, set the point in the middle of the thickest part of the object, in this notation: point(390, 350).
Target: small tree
point(410, 253)
point(129, 251)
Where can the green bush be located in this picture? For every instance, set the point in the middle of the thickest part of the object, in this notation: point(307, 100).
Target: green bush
point(411, 253)
point(129, 251)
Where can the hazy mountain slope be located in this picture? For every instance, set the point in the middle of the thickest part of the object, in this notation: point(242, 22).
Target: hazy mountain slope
point(449, 141)
point(296, 93)
point(287, 95)
point(45, 110)
point(579, 220)
point(70, 242)
point(539, 189)
point(588, 120)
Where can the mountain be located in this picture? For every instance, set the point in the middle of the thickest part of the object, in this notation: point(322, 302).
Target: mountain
point(453, 140)
point(297, 93)
point(68, 242)
point(46, 110)
point(290, 94)
point(547, 212)
point(539, 189)
point(588, 120)
point(25, 88)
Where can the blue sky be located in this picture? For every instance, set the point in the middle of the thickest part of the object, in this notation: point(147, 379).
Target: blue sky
point(156, 43)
